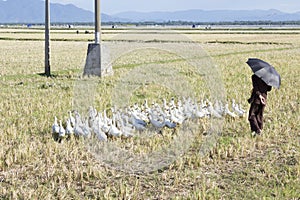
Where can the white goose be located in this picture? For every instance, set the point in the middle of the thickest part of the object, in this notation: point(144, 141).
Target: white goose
point(55, 126)
point(198, 111)
point(188, 108)
point(103, 123)
point(172, 103)
point(140, 115)
point(157, 124)
point(86, 129)
point(204, 107)
point(236, 109)
point(62, 131)
point(146, 108)
point(233, 104)
point(136, 118)
point(92, 113)
point(165, 105)
point(113, 130)
point(98, 131)
point(81, 129)
point(219, 107)
point(179, 104)
point(106, 119)
point(176, 116)
point(69, 128)
point(212, 111)
point(170, 124)
point(138, 124)
point(126, 129)
point(72, 119)
point(228, 112)
point(241, 109)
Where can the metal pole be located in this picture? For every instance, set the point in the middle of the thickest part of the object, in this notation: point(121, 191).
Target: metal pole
point(47, 38)
point(97, 22)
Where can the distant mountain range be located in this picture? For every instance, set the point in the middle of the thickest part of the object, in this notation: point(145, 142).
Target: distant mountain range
point(32, 11)
point(211, 16)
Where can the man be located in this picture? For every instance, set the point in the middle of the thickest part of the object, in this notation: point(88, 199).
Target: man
point(258, 102)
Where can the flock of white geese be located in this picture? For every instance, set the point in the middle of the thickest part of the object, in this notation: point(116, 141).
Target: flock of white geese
point(138, 118)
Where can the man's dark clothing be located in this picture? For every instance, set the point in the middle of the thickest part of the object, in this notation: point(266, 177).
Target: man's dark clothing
point(257, 108)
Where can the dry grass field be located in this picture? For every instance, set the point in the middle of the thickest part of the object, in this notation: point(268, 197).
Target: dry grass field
point(238, 166)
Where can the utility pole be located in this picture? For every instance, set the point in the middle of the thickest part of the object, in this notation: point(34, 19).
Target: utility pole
point(97, 22)
point(47, 38)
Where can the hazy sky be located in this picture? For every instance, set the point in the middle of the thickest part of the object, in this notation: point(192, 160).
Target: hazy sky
point(115, 6)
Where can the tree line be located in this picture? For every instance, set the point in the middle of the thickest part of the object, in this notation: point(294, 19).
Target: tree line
point(170, 23)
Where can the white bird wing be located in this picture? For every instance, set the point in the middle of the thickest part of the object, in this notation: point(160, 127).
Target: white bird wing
point(55, 128)
point(114, 131)
point(100, 134)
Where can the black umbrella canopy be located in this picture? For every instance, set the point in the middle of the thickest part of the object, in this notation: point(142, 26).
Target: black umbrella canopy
point(265, 71)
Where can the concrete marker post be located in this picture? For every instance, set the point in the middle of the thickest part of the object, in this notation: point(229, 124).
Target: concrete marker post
point(93, 66)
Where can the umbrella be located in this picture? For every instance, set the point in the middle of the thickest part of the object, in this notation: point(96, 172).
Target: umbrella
point(265, 71)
